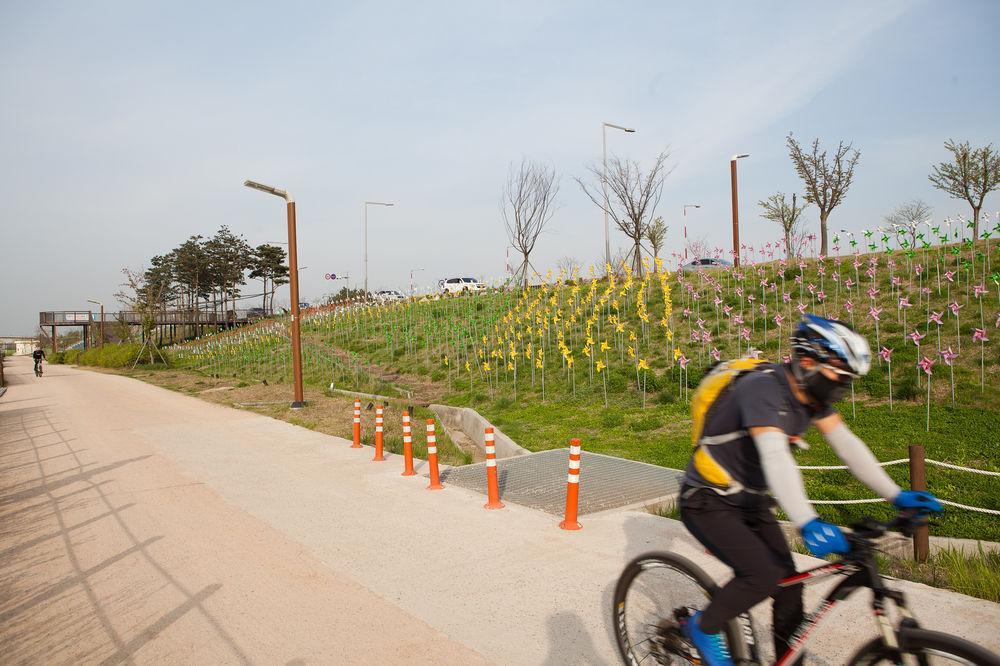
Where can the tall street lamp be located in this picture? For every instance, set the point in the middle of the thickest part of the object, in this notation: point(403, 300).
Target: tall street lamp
point(604, 183)
point(90, 300)
point(736, 214)
point(293, 280)
point(412, 271)
point(370, 203)
point(684, 212)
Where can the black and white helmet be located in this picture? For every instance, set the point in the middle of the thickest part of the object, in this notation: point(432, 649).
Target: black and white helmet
point(827, 340)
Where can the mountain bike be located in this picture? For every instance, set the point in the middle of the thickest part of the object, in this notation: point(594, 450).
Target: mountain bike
point(657, 591)
point(38, 367)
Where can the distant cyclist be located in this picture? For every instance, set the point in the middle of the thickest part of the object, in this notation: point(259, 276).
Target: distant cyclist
point(38, 355)
point(745, 450)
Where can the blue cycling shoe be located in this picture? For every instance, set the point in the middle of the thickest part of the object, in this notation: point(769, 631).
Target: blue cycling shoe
point(919, 500)
point(712, 647)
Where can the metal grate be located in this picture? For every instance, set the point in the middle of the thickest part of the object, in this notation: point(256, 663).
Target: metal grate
point(538, 480)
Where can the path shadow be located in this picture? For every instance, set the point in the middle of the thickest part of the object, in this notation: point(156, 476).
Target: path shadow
point(569, 642)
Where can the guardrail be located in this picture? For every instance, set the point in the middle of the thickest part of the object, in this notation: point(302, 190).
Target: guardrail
point(134, 318)
point(918, 473)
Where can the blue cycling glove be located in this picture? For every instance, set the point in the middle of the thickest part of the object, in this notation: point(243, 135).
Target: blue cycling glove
point(922, 502)
point(823, 538)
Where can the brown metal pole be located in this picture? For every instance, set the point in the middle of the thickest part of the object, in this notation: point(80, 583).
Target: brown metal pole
point(918, 481)
point(55, 343)
point(736, 215)
point(102, 327)
point(293, 268)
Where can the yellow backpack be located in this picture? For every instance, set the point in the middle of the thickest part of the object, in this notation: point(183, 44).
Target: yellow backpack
point(705, 396)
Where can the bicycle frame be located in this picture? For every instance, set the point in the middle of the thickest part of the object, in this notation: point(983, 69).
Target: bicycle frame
point(860, 572)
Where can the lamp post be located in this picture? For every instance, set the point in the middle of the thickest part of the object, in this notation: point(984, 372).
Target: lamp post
point(370, 203)
point(293, 280)
point(90, 300)
point(412, 271)
point(736, 214)
point(684, 212)
point(604, 183)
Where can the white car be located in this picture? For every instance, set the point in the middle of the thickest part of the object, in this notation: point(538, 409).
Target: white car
point(457, 285)
point(387, 296)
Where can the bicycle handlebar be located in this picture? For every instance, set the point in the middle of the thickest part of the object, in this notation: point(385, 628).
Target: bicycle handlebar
point(867, 529)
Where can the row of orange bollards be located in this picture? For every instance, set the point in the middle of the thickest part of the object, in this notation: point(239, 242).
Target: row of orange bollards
point(569, 521)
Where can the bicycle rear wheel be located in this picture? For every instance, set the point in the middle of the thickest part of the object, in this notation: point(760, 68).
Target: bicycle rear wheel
point(926, 648)
point(652, 591)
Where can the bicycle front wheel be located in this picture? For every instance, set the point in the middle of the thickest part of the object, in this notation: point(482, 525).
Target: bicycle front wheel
point(919, 646)
point(651, 593)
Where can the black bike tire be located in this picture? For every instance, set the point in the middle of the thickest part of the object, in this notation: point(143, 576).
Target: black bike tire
point(912, 640)
point(732, 630)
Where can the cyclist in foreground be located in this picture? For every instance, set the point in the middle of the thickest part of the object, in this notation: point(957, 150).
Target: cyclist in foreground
point(38, 355)
point(745, 450)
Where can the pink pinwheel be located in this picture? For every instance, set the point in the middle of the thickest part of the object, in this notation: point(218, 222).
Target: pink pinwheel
point(739, 291)
point(726, 309)
point(979, 335)
point(751, 298)
point(936, 318)
point(857, 262)
point(904, 302)
point(717, 301)
point(949, 276)
point(763, 308)
point(798, 279)
point(925, 291)
point(811, 287)
point(954, 307)
point(948, 355)
point(886, 353)
point(918, 269)
point(700, 322)
point(896, 281)
point(916, 336)
point(801, 307)
point(997, 324)
point(848, 305)
point(716, 354)
point(874, 312)
point(683, 361)
point(785, 297)
point(872, 293)
point(745, 334)
point(926, 364)
point(836, 276)
point(871, 272)
point(978, 290)
point(848, 283)
point(706, 337)
point(821, 295)
point(778, 319)
point(738, 319)
point(687, 312)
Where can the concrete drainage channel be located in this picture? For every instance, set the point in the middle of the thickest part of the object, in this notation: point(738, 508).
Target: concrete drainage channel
point(538, 480)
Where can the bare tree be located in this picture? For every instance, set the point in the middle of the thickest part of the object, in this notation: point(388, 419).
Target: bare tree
point(630, 199)
point(526, 205)
point(787, 214)
point(567, 265)
point(656, 234)
point(907, 217)
point(974, 173)
point(826, 182)
point(699, 247)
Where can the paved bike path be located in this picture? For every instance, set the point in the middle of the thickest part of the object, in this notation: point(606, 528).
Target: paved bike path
point(331, 554)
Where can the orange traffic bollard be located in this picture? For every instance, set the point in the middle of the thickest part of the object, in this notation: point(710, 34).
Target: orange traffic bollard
point(407, 447)
point(492, 483)
point(357, 425)
point(572, 488)
point(379, 411)
point(432, 457)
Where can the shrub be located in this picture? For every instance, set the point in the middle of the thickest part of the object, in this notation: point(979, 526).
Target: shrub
point(612, 418)
point(71, 356)
point(120, 356)
point(56, 357)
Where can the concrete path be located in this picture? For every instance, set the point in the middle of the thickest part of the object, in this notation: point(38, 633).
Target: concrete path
point(137, 524)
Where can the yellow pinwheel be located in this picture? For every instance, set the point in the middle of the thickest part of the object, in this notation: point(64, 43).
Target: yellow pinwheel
point(600, 366)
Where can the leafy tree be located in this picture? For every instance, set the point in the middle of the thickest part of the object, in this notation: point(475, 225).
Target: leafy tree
point(656, 234)
point(778, 209)
point(230, 256)
point(268, 265)
point(971, 175)
point(192, 271)
point(826, 181)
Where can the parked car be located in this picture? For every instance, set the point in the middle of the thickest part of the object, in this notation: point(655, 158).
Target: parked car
point(706, 263)
point(303, 305)
point(457, 285)
point(387, 296)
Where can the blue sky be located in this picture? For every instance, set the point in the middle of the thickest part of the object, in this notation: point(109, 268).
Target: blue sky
point(126, 127)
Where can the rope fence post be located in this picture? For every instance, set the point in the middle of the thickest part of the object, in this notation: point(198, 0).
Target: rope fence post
point(572, 488)
point(357, 424)
point(918, 481)
point(492, 482)
point(379, 420)
point(407, 446)
point(432, 457)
